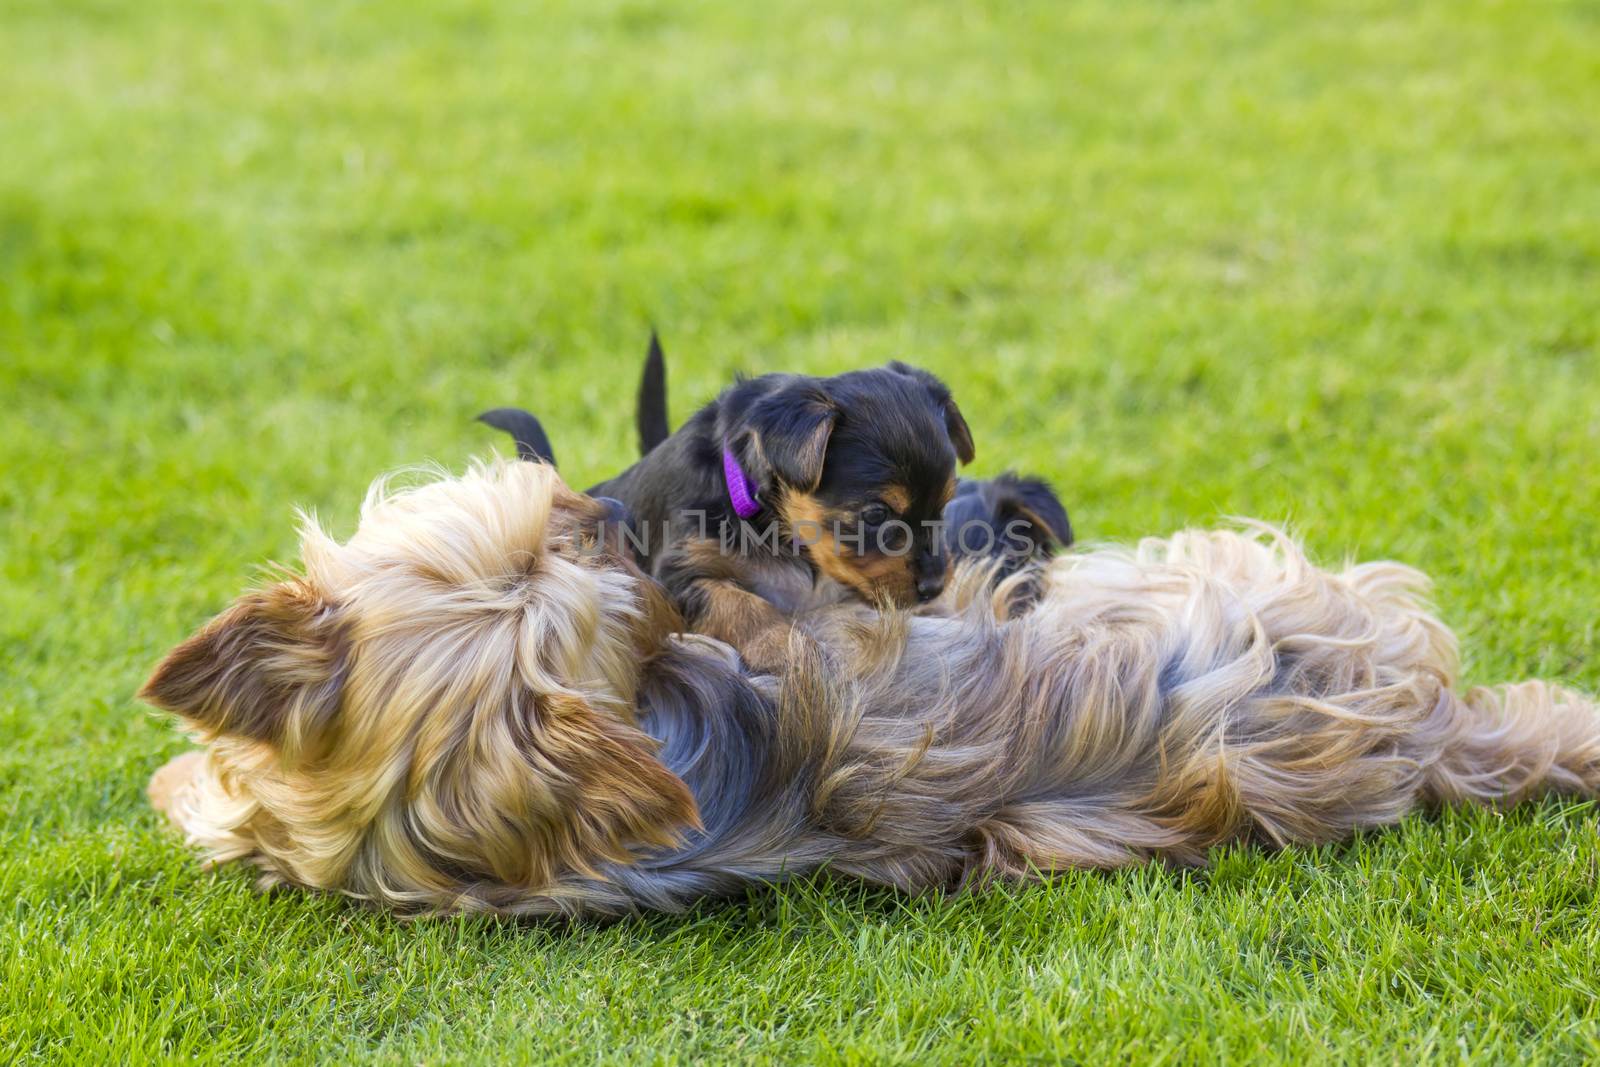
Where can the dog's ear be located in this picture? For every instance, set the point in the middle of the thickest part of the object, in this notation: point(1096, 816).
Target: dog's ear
point(785, 435)
point(622, 794)
point(960, 435)
point(550, 785)
point(270, 668)
point(1033, 502)
point(955, 424)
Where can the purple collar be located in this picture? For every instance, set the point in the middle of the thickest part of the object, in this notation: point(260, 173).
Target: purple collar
point(741, 494)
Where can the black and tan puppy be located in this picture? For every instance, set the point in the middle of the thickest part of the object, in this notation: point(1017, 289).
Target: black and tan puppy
point(784, 480)
point(1014, 519)
point(788, 491)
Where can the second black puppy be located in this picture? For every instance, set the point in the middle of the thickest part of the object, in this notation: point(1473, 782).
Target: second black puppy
point(789, 490)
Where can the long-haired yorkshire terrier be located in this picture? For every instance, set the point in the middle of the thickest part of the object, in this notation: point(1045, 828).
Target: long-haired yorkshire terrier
point(475, 704)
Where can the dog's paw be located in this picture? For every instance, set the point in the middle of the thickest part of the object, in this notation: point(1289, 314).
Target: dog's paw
point(172, 781)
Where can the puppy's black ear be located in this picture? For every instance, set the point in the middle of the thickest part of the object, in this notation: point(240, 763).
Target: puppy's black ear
point(785, 435)
point(1032, 501)
point(954, 423)
point(270, 668)
point(960, 436)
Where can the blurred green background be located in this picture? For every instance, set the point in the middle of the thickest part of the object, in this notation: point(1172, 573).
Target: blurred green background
point(1330, 263)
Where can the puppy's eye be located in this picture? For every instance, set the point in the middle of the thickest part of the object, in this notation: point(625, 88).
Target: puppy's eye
point(874, 514)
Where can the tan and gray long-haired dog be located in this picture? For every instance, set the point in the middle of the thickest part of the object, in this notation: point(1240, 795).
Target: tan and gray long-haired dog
point(471, 705)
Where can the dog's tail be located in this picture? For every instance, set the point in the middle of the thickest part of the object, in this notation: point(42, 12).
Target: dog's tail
point(526, 430)
point(1511, 742)
point(650, 413)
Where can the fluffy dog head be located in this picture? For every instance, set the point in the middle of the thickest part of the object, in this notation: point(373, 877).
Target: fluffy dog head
point(437, 713)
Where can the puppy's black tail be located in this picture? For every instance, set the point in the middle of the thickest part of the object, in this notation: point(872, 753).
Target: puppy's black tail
point(650, 414)
point(532, 442)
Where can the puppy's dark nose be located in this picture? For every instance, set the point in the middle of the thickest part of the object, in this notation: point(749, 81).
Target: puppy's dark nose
point(930, 587)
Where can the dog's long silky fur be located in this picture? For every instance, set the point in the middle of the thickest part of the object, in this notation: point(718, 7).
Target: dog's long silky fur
point(462, 709)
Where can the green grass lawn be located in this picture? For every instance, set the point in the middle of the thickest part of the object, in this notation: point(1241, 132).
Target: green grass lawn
point(1331, 264)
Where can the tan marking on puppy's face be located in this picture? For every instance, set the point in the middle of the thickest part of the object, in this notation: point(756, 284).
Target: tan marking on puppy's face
point(897, 497)
point(875, 576)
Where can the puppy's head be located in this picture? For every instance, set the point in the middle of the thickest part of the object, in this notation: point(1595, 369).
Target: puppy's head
point(860, 467)
point(1012, 519)
point(437, 713)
